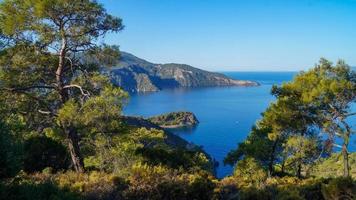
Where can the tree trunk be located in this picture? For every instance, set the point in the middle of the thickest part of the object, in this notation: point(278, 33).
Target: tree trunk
point(299, 170)
point(345, 155)
point(70, 132)
point(272, 157)
point(74, 150)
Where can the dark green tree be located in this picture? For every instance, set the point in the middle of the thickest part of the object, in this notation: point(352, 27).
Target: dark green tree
point(258, 146)
point(49, 67)
point(327, 92)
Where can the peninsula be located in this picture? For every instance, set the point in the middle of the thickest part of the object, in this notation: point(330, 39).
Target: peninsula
point(134, 74)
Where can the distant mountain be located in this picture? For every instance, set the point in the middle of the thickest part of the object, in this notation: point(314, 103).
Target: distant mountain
point(134, 74)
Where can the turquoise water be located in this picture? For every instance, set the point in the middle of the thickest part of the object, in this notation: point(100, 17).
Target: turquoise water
point(226, 114)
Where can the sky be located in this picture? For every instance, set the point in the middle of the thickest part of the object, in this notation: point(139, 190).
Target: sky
point(237, 35)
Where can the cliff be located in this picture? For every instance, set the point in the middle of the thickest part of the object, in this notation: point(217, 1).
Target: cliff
point(137, 75)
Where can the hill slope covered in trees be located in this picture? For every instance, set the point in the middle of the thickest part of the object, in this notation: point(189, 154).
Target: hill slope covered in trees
point(134, 74)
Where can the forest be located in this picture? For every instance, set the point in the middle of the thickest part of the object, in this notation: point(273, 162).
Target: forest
point(62, 135)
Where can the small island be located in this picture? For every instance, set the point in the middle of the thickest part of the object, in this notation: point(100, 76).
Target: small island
point(175, 119)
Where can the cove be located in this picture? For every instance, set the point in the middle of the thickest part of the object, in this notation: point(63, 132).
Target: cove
point(226, 114)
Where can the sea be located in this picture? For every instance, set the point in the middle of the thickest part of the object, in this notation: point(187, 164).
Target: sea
point(226, 114)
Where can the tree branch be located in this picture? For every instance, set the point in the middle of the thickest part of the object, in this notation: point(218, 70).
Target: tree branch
point(350, 114)
point(336, 145)
point(84, 92)
point(47, 112)
point(28, 88)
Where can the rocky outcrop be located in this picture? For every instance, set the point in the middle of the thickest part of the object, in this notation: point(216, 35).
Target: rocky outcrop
point(175, 120)
point(171, 139)
point(137, 75)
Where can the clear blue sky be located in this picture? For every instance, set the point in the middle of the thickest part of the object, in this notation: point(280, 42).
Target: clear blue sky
point(249, 35)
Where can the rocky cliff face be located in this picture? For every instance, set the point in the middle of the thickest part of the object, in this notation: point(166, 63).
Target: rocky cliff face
point(137, 75)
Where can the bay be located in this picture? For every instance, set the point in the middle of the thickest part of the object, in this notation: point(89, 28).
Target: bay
point(226, 114)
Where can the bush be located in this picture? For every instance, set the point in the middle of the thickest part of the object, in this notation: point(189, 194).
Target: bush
point(24, 188)
point(289, 193)
point(339, 188)
point(253, 193)
point(175, 158)
point(11, 153)
point(42, 152)
point(226, 189)
point(334, 164)
point(93, 185)
point(158, 182)
point(250, 173)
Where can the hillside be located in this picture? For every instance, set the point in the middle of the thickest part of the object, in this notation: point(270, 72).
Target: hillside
point(137, 75)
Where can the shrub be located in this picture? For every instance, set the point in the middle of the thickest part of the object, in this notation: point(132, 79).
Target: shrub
point(289, 193)
point(158, 182)
point(252, 193)
point(226, 189)
point(339, 188)
point(250, 173)
point(93, 185)
point(42, 152)
point(25, 188)
point(334, 164)
point(10, 151)
point(175, 158)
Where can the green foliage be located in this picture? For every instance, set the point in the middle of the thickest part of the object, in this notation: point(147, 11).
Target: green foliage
point(332, 167)
point(10, 151)
point(117, 153)
point(162, 183)
point(145, 182)
point(292, 188)
point(339, 188)
point(42, 152)
point(257, 145)
point(286, 139)
point(27, 189)
point(50, 64)
point(326, 93)
point(301, 150)
point(159, 182)
point(253, 193)
point(99, 114)
point(175, 119)
point(175, 158)
point(250, 173)
point(289, 194)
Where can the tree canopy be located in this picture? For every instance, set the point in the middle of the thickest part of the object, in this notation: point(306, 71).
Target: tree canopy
point(49, 68)
point(316, 102)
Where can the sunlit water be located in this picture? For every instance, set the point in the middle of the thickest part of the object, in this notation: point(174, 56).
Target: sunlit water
point(226, 114)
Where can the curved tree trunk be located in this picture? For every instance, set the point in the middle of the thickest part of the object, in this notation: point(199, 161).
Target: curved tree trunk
point(70, 132)
point(74, 149)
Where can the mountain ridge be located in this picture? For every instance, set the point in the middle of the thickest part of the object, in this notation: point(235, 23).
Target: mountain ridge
point(134, 74)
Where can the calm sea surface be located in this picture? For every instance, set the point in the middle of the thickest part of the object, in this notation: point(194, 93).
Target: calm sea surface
point(226, 114)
